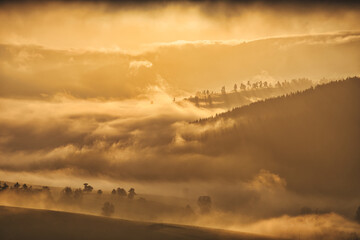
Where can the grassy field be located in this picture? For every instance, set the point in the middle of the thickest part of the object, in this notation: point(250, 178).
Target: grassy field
point(22, 223)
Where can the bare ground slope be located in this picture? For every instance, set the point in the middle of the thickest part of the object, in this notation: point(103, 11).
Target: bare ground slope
point(21, 223)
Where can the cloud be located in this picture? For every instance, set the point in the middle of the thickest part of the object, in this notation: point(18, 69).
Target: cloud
point(92, 136)
point(328, 226)
point(137, 64)
point(107, 25)
point(33, 71)
point(185, 66)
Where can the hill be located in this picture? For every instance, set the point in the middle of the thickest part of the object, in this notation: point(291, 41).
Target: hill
point(310, 138)
point(21, 223)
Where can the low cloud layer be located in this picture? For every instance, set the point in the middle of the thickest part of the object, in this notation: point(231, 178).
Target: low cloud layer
point(183, 67)
point(149, 141)
point(92, 136)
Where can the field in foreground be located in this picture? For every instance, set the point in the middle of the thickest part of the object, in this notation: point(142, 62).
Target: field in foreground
point(22, 223)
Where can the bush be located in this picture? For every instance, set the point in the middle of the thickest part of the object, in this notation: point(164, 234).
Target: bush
point(108, 209)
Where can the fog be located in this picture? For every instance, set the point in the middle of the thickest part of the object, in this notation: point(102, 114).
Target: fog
point(149, 143)
point(147, 96)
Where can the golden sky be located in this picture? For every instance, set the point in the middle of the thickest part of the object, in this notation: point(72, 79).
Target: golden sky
point(135, 26)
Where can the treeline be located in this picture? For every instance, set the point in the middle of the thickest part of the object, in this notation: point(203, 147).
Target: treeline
point(253, 107)
point(67, 196)
point(22, 188)
point(241, 94)
point(69, 193)
point(119, 202)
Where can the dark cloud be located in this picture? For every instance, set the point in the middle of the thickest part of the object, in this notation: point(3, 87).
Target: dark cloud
point(234, 2)
point(211, 8)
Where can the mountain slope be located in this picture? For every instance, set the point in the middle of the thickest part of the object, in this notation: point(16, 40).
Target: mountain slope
point(310, 138)
point(20, 223)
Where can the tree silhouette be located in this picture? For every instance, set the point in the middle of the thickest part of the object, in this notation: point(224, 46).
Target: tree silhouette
point(5, 186)
point(113, 192)
point(197, 101)
point(67, 191)
point(99, 192)
point(204, 203)
point(78, 193)
point(242, 87)
point(121, 192)
point(108, 209)
point(67, 194)
point(278, 84)
point(235, 87)
point(87, 188)
point(16, 185)
point(132, 193)
point(223, 91)
point(210, 100)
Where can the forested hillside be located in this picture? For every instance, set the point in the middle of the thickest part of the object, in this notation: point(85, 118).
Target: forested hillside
point(310, 138)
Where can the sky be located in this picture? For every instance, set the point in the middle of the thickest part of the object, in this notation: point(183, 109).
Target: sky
point(52, 47)
point(136, 26)
point(87, 89)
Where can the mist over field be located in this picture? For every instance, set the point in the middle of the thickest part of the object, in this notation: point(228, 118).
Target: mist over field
point(237, 115)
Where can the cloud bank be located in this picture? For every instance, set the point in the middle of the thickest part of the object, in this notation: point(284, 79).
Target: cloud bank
point(185, 67)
